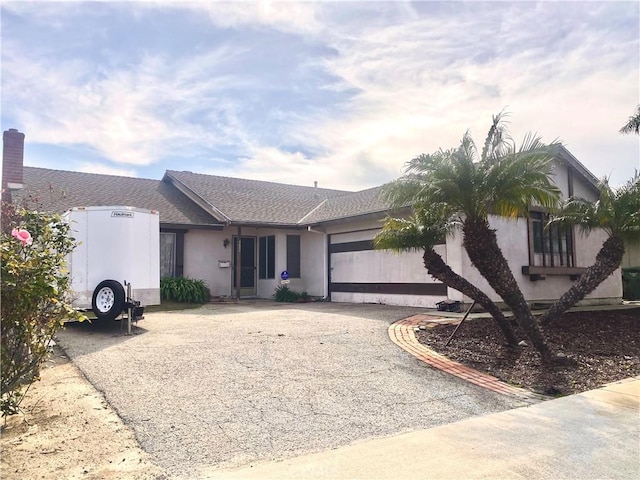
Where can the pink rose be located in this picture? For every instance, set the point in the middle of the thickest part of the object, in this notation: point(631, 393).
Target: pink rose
point(22, 235)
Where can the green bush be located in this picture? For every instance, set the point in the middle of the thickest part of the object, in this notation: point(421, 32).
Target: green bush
point(285, 294)
point(35, 296)
point(184, 290)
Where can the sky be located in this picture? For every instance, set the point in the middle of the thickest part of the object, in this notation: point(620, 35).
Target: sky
point(342, 93)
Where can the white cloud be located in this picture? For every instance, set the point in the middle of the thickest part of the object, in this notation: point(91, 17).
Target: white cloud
point(285, 16)
point(105, 170)
point(131, 116)
point(399, 79)
point(421, 85)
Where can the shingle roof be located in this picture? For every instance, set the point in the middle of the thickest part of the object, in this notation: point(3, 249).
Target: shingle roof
point(58, 190)
point(253, 201)
point(187, 198)
point(349, 205)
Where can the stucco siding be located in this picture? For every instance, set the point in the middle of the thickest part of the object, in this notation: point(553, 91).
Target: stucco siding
point(631, 255)
point(513, 240)
point(202, 251)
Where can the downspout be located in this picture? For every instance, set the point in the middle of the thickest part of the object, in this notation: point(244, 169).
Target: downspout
point(325, 263)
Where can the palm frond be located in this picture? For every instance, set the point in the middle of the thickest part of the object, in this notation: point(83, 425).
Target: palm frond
point(506, 179)
point(617, 210)
point(428, 226)
point(633, 125)
point(497, 138)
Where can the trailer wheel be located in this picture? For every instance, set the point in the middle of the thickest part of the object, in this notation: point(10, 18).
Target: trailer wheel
point(108, 300)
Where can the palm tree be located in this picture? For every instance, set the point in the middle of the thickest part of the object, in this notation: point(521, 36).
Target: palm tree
point(633, 125)
point(617, 212)
point(503, 180)
point(426, 228)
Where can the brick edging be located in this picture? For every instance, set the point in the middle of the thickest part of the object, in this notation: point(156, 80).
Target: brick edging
point(402, 334)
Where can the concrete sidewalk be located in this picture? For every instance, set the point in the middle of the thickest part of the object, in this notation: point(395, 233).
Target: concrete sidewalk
point(592, 435)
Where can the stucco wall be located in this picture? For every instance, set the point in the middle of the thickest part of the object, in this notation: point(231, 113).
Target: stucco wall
point(426, 301)
point(581, 190)
point(631, 255)
point(202, 251)
point(561, 178)
point(513, 240)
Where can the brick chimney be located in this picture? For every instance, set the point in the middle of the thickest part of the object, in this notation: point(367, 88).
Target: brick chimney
point(12, 162)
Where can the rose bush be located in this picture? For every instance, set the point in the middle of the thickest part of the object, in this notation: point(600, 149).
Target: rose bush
point(35, 294)
point(22, 235)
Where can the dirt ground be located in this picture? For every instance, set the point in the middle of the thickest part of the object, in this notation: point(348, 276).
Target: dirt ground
point(67, 430)
point(602, 347)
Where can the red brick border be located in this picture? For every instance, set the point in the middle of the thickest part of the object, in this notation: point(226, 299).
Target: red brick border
point(402, 334)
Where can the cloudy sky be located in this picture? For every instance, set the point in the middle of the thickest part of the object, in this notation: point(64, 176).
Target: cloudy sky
point(342, 93)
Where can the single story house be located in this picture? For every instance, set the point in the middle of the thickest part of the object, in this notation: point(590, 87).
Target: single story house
point(215, 228)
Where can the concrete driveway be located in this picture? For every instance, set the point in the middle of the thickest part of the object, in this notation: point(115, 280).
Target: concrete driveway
point(230, 385)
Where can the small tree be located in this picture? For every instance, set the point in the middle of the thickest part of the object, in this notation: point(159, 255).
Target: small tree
point(503, 179)
point(616, 212)
point(35, 295)
point(422, 231)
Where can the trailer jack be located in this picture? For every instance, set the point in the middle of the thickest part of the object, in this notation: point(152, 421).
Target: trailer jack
point(134, 311)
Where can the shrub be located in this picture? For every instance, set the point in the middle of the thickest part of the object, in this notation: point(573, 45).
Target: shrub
point(35, 296)
point(184, 290)
point(284, 294)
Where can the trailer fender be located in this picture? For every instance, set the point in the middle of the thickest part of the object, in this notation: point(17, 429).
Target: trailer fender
point(108, 300)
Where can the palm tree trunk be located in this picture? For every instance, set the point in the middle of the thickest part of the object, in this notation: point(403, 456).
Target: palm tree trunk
point(607, 261)
point(437, 268)
point(481, 244)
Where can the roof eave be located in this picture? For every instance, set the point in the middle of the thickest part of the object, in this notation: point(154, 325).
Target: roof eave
point(566, 156)
point(378, 214)
point(197, 199)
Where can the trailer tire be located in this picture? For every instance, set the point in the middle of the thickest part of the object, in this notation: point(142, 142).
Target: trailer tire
point(108, 300)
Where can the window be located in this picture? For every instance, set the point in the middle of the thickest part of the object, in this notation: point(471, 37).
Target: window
point(167, 254)
point(267, 257)
point(293, 256)
point(552, 246)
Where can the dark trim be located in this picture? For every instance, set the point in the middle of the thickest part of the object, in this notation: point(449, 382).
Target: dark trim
point(439, 289)
point(359, 246)
point(294, 255)
point(530, 239)
point(570, 181)
point(539, 273)
point(170, 227)
point(358, 231)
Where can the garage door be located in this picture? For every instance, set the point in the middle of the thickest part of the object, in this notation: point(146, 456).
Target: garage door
point(361, 274)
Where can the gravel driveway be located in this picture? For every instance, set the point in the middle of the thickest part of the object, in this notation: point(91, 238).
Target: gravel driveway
point(228, 385)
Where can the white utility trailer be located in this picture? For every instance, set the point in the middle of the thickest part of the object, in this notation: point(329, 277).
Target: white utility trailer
point(118, 245)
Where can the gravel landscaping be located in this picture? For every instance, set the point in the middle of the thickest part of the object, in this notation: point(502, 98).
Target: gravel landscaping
point(229, 385)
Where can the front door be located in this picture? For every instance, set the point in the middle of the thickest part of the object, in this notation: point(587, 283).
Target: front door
point(247, 266)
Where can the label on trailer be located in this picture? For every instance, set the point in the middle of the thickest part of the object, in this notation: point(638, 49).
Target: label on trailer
point(122, 214)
